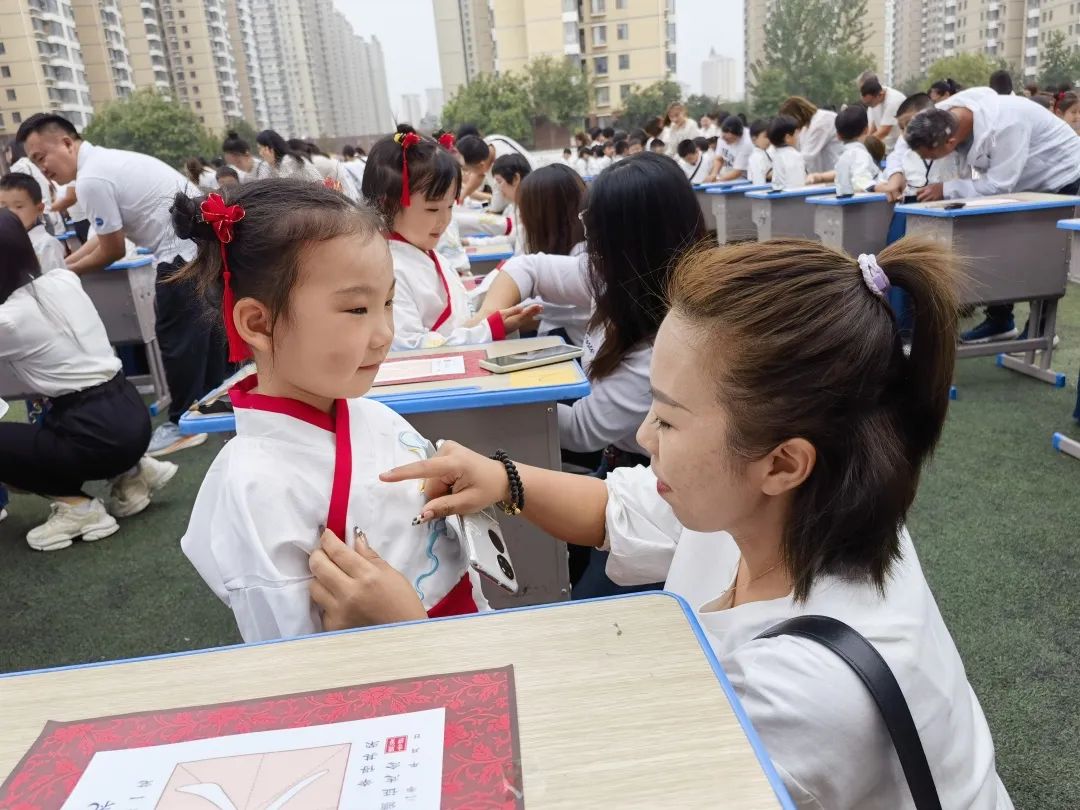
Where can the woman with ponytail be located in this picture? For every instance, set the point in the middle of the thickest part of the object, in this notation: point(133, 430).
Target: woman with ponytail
point(786, 452)
point(285, 161)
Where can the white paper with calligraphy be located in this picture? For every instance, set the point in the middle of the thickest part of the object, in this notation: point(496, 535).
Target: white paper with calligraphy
point(386, 763)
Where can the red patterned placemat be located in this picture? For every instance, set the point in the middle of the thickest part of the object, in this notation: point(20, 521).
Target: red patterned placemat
point(472, 368)
point(481, 749)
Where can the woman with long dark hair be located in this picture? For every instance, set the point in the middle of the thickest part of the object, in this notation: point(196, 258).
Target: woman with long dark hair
point(285, 161)
point(96, 427)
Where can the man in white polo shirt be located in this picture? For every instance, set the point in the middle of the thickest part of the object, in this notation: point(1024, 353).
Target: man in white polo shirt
point(881, 106)
point(128, 194)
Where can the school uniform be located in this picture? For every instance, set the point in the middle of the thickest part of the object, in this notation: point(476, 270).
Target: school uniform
point(297, 168)
point(818, 142)
point(737, 156)
point(52, 340)
point(856, 170)
point(355, 168)
point(431, 304)
point(676, 135)
point(260, 170)
point(50, 253)
point(132, 192)
point(817, 720)
point(884, 115)
point(619, 402)
point(692, 171)
point(788, 169)
point(709, 132)
point(451, 250)
point(581, 166)
point(918, 172)
point(1013, 147)
point(291, 469)
point(760, 166)
point(207, 179)
point(26, 166)
point(334, 171)
point(504, 145)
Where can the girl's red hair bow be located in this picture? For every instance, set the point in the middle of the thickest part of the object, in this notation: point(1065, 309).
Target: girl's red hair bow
point(447, 141)
point(221, 218)
point(406, 140)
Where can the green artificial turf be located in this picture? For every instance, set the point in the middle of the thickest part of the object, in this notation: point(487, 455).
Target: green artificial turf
point(996, 524)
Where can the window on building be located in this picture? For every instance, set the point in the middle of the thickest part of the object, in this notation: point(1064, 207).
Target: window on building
point(603, 97)
point(5, 72)
point(191, 73)
point(624, 61)
point(2, 48)
point(569, 6)
point(570, 33)
point(181, 14)
point(191, 60)
point(620, 5)
point(600, 66)
point(198, 105)
point(599, 35)
point(1, 120)
point(187, 43)
point(183, 29)
point(10, 95)
point(625, 91)
point(16, 118)
point(671, 62)
point(622, 31)
point(598, 6)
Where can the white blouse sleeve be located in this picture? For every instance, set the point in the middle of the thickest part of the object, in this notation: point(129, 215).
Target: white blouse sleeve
point(411, 333)
point(560, 280)
point(642, 531)
point(613, 410)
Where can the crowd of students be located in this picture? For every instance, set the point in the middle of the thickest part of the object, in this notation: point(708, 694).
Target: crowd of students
point(732, 388)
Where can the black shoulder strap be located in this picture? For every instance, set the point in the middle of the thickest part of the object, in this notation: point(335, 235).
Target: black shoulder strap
point(867, 663)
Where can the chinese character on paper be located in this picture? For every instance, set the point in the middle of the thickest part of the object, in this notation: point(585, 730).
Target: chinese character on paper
point(396, 745)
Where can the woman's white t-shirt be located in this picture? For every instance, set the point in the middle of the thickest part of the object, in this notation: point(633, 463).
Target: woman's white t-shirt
point(818, 722)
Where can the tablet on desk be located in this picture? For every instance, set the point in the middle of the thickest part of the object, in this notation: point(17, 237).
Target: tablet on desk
point(531, 359)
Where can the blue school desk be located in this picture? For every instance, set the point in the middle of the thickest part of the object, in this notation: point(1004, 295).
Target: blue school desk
point(514, 412)
point(665, 728)
point(706, 202)
point(1060, 441)
point(480, 264)
point(785, 213)
point(1014, 252)
point(70, 241)
point(732, 213)
point(856, 224)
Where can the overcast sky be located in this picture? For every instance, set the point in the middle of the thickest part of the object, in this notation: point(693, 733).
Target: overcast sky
point(406, 29)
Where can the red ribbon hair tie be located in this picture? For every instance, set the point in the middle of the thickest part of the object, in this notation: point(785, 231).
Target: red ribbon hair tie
point(406, 140)
point(221, 218)
point(447, 141)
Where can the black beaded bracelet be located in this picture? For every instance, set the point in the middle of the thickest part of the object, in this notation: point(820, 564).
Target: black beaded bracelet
point(517, 489)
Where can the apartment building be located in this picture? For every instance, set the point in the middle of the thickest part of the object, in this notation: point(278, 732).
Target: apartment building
point(100, 27)
point(41, 63)
point(145, 40)
point(463, 29)
point(248, 65)
point(1041, 19)
point(523, 30)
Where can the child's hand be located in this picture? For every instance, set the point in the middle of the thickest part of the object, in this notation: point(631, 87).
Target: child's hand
point(457, 481)
point(359, 588)
point(520, 316)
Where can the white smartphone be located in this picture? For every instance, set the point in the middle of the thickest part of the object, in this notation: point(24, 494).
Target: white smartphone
point(482, 539)
point(537, 357)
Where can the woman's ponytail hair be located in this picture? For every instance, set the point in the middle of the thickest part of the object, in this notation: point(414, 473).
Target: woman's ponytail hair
point(809, 348)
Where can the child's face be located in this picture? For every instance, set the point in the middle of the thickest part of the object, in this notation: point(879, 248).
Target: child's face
point(20, 204)
point(635, 149)
point(658, 149)
point(509, 190)
point(609, 149)
point(730, 138)
point(424, 221)
point(228, 181)
point(693, 158)
point(340, 321)
point(761, 140)
point(706, 485)
point(790, 139)
point(1072, 117)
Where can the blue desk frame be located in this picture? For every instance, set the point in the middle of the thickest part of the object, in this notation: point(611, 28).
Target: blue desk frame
point(777, 784)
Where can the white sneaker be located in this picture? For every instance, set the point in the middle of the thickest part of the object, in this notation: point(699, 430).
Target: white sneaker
point(3, 515)
point(167, 440)
point(131, 492)
point(89, 521)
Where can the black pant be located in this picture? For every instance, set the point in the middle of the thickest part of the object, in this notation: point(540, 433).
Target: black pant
point(192, 345)
point(82, 229)
point(90, 435)
point(998, 313)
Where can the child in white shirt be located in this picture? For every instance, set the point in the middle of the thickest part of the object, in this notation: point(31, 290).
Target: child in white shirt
point(855, 170)
point(309, 293)
point(431, 305)
point(760, 166)
point(789, 168)
point(690, 162)
point(22, 195)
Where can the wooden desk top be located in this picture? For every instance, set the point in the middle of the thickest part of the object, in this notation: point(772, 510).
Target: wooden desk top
point(618, 702)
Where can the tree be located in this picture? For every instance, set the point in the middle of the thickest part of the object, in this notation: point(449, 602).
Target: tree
point(149, 123)
point(558, 90)
point(494, 103)
point(242, 128)
point(698, 105)
point(647, 102)
point(1059, 63)
point(967, 69)
point(813, 48)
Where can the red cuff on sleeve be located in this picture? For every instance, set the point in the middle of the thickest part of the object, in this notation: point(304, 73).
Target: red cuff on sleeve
point(509, 226)
point(498, 328)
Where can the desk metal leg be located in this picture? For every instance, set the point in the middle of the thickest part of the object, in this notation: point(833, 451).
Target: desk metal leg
point(1063, 444)
point(1042, 324)
point(157, 373)
point(530, 434)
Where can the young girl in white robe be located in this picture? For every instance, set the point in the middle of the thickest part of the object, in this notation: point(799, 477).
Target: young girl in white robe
point(414, 183)
point(308, 292)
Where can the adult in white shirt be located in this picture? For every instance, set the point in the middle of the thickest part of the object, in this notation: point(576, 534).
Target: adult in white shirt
point(679, 128)
point(773, 377)
point(816, 137)
point(52, 340)
point(237, 153)
point(709, 126)
point(283, 161)
point(479, 155)
point(881, 103)
point(355, 162)
point(128, 194)
point(333, 171)
point(1003, 144)
point(735, 150)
